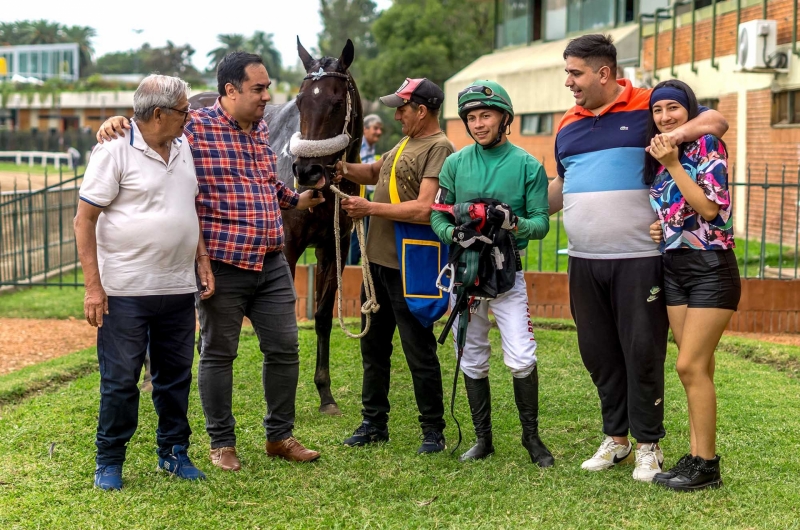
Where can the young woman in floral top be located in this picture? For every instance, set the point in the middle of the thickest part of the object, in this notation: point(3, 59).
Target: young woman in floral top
point(689, 192)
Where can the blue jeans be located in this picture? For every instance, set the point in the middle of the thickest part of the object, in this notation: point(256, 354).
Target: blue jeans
point(167, 324)
point(267, 298)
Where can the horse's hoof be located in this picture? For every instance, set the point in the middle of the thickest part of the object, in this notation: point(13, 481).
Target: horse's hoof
point(331, 409)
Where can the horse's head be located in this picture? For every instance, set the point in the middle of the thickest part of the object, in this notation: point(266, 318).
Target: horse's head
point(328, 103)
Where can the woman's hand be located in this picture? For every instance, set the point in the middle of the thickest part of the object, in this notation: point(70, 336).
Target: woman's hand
point(662, 149)
point(656, 232)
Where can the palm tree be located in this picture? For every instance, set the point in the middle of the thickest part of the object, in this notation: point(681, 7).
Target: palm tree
point(261, 43)
point(42, 32)
point(82, 36)
point(231, 42)
point(10, 33)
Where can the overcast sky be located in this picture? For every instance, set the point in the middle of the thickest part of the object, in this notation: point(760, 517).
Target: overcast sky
point(118, 24)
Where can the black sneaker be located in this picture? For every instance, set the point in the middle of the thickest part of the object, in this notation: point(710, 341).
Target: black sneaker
point(367, 433)
point(675, 470)
point(432, 442)
point(697, 474)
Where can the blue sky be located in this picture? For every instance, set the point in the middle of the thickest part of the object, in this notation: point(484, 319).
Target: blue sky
point(118, 24)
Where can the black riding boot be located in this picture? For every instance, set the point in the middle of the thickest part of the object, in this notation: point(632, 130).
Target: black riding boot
point(526, 394)
point(480, 405)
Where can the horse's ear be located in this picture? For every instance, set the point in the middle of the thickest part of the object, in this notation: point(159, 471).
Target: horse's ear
point(308, 61)
point(346, 59)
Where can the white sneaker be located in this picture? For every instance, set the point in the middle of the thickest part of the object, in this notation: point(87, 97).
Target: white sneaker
point(648, 462)
point(608, 455)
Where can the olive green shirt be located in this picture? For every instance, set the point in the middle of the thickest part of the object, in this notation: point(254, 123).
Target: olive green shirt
point(421, 158)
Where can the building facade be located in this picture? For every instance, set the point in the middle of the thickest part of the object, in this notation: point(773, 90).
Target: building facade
point(39, 62)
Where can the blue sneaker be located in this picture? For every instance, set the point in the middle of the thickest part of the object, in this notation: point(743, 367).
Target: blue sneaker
point(108, 477)
point(178, 464)
point(432, 442)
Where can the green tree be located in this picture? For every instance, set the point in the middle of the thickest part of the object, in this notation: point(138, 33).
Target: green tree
point(231, 42)
point(261, 44)
point(10, 34)
point(348, 19)
point(426, 38)
point(127, 62)
point(171, 60)
point(82, 36)
point(42, 32)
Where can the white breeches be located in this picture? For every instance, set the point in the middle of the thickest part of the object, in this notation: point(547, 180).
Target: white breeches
point(513, 318)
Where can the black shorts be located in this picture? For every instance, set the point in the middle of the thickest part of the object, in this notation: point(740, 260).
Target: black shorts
point(702, 278)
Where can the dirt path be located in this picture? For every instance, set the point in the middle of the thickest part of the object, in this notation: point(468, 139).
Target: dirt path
point(24, 342)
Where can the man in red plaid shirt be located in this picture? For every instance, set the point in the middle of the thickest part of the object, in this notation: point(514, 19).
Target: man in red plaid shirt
point(239, 209)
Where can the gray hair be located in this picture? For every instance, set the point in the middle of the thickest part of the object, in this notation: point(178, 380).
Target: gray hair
point(157, 91)
point(372, 119)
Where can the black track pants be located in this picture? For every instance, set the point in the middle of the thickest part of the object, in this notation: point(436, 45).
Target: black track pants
point(621, 316)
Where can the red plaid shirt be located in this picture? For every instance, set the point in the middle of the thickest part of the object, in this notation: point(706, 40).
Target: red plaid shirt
point(240, 195)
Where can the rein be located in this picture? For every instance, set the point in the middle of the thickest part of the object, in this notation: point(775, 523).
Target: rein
point(371, 304)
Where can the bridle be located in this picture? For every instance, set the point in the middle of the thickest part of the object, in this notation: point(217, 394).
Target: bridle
point(303, 148)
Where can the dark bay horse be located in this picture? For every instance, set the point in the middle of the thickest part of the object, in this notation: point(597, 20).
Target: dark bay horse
point(323, 124)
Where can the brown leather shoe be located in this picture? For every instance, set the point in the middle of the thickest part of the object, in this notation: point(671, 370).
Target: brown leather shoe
point(292, 450)
point(225, 458)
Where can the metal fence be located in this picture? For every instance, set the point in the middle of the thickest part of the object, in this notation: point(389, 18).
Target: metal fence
point(37, 241)
point(52, 141)
point(766, 210)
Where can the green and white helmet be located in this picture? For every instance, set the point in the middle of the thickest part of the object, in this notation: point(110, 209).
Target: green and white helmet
point(482, 94)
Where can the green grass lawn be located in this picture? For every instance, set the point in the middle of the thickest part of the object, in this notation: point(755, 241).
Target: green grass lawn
point(389, 486)
point(46, 302)
point(38, 169)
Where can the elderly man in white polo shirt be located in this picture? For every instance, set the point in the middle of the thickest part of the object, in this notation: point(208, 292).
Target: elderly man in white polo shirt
point(138, 238)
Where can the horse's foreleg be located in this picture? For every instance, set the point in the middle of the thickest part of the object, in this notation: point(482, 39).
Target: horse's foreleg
point(323, 322)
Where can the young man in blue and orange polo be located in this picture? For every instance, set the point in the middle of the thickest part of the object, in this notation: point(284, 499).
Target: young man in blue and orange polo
point(615, 277)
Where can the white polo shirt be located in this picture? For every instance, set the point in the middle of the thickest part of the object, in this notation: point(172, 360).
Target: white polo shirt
point(147, 233)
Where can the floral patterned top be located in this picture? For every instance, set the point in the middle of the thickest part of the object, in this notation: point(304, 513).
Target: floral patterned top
point(706, 161)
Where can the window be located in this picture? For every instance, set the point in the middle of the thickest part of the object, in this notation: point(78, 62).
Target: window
point(514, 22)
point(786, 108)
point(533, 124)
point(711, 103)
point(555, 19)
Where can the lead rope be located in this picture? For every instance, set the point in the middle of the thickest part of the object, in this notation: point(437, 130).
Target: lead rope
point(371, 304)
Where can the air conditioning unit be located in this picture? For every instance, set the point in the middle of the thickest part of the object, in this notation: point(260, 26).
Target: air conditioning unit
point(757, 41)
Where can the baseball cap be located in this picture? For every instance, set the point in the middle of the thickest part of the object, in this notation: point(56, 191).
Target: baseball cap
point(420, 91)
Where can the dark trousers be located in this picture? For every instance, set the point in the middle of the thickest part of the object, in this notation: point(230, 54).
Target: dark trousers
point(167, 324)
point(267, 298)
point(620, 312)
point(419, 347)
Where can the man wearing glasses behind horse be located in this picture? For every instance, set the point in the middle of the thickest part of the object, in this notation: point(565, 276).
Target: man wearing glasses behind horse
point(406, 180)
point(239, 209)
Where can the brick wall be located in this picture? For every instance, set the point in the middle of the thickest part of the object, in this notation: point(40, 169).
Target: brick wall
point(726, 38)
point(769, 149)
point(767, 306)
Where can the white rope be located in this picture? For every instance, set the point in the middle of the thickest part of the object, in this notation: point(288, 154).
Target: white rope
point(371, 304)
